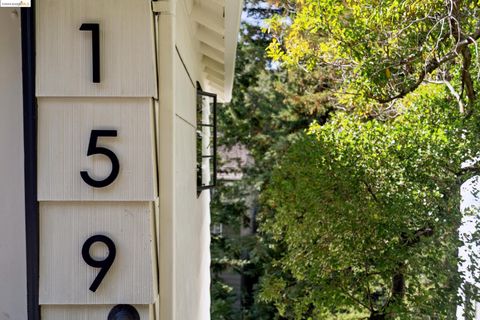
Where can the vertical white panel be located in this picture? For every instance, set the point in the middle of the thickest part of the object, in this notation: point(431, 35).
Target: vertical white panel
point(64, 57)
point(92, 312)
point(64, 129)
point(203, 210)
point(65, 277)
point(13, 287)
point(186, 40)
point(167, 163)
point(188, 253)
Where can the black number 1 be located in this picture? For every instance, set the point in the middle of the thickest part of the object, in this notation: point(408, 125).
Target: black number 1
point(93, 149)
point(103, 264)
point(95, 29)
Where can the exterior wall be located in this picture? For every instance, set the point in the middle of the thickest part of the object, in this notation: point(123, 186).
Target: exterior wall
point(97, 187)
point(179, 218)
point(13, 287)
point(192, 214)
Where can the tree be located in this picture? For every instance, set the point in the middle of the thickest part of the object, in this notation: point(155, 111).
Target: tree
point(367, 212)
point(383, 50)
point(366, 207)
point(270, 108)
point(251, 122)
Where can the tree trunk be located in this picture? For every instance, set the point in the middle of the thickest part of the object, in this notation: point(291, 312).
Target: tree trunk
point(398, 283)
point(375, 315)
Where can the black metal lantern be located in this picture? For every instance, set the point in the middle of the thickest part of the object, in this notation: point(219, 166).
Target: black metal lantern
point(206, 140)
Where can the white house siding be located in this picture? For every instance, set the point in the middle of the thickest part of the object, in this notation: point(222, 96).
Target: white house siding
point(192, 240)
point(13, 288)
point(172, 222)
point(71, 107)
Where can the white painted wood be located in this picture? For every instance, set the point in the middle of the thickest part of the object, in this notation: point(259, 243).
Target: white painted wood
point(186, 94)
point(64, 61)
point(185, 42)
point(216, 80)
point(203, 229)
point(208, 19)
point(211, 38)
point(212, 64)
point(215, 86)
point(163, 7)
point(167, 50)
point(157, 310)
point(88, 312)
point(64, 129)
point(214, 73)
point(188, 5)
point(192, 243)
point(213, 7)
point(233, 12)
point(13, 274)
point(187, 245)
point(219, 2)
point(212, 52)
point(65, 278)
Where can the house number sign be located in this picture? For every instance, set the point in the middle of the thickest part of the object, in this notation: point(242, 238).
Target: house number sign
point(105, 264)
point(95, 29)
point(96, 159)
point(94, 149)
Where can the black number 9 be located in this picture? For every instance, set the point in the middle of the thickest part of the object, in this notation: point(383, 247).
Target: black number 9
point(93, 149)
point(103, 264)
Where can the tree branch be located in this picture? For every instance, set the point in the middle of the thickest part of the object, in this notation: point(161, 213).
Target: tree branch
point(454, 93)
point(349, 295)
point(417, 236)
point(464, 51)
point(369, 189)
point(474, 170)
point(432, 65)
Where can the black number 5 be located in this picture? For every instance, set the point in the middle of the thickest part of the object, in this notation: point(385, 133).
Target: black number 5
point(103, 264)
point(93, 149)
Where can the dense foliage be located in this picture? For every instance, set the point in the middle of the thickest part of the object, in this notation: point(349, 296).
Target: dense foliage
point(260, 123)
point(270, 108)
point(359, 131)
point(368, 212)
point(366, 207)
point(382, 50)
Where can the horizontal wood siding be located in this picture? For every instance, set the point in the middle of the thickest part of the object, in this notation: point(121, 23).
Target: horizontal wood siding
point(65, 277)
point(87, 312)
point(64, 129)
point(64, 54)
